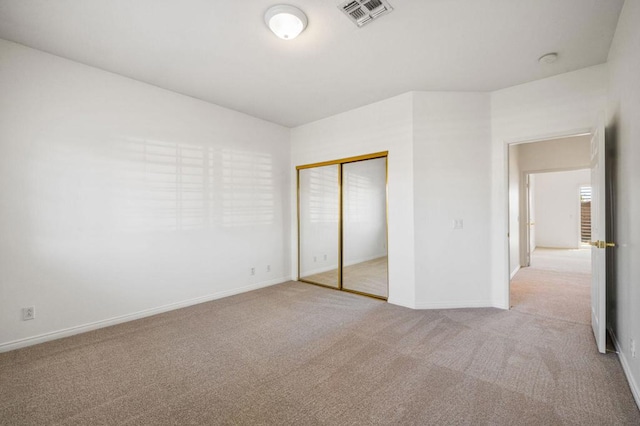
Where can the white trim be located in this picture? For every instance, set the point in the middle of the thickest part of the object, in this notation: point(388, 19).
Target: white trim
point(405, 303)
point(506, 243)
point(454, 304)
point(542, 137)
point(506, 143)
point(555, 170)
point(66, 332)
point(635, 389)
point(500, 306)
point(515, 271)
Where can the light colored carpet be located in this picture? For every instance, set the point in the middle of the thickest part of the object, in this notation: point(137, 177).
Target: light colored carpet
point(562, 260)
point(300, 354)
point(556, 285)
point(366, 277)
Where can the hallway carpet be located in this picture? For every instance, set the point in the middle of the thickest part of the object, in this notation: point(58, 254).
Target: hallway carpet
point(302, 355)
point(556, 285)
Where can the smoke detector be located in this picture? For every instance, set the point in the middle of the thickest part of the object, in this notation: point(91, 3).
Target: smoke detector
point(361, 12)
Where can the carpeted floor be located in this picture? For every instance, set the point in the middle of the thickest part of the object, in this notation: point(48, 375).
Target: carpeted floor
point(301, 354)
point(366, 277)
point(556, 285)
point(562, 260)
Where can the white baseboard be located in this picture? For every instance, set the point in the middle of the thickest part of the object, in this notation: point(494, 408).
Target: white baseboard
point(66, 332)
point(515, 271)
point(401, 302)
point(442, 305)
point(635, 390)
point(454, 304)
point(503, 306)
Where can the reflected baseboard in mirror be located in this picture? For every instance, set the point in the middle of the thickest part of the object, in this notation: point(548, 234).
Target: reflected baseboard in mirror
point(368, 277)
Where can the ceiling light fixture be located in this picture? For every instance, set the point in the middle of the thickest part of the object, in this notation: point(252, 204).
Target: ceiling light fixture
point(549, 58)
point(286, 21)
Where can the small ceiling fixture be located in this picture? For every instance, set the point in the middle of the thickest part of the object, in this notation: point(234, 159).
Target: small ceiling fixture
point(549, 58)
point(286, 21)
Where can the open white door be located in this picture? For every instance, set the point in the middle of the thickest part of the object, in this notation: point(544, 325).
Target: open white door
point(598, 237)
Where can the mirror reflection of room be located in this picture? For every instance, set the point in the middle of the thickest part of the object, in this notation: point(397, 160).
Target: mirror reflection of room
point(348, 199)
point(365, 227)
point(319, 227)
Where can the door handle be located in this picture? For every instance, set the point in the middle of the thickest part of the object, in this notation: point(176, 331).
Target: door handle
point(601, 244)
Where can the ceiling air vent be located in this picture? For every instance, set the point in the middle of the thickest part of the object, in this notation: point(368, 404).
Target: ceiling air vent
point(361, 12)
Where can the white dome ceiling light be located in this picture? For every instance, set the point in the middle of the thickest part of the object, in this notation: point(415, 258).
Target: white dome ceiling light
point(286, 21)
point(549, 58)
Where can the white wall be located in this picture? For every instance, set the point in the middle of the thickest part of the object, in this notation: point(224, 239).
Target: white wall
point(452, 175)
point(562, 105)
point(382, 126)
point(120, 199)
point(557, 208)
point(439, 170)
point(623, 135)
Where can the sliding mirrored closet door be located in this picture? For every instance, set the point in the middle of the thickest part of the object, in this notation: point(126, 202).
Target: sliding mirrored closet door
point(342, 224)
point(364, 227)
point(319, 211)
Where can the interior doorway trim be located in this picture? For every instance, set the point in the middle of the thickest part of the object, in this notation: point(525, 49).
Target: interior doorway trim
point(340, 163)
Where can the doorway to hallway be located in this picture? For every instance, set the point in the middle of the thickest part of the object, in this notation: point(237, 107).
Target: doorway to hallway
point(550, 264)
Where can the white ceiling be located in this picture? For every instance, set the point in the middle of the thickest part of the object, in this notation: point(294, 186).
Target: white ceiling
point(221, 50)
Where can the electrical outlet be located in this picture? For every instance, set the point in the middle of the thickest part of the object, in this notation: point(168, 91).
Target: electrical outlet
point(458, 224)
point(268, 268)
point(28, 313)
point(253, 270)
point(633, 348)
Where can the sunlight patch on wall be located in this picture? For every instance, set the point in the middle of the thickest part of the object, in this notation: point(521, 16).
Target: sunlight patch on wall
point(177, 186)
